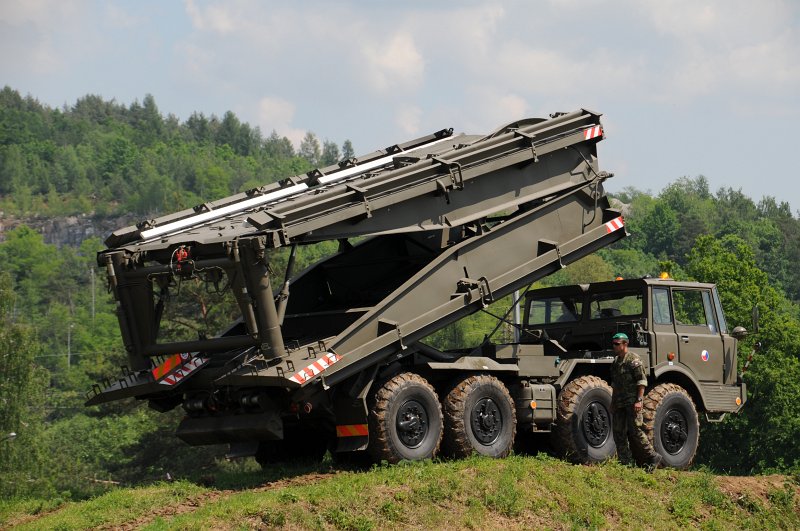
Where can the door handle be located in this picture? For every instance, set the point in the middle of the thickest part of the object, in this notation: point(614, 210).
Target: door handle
point(685, 339)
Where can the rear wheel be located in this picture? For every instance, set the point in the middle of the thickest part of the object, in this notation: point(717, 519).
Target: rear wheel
point(479, 417)
point(672, 424)
point(405, 420)
point(583, 422)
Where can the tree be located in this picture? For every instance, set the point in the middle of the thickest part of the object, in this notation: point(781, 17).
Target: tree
point(146, 120)
point(309, 149)
point(764, 435)
point(347, 150)
point(278, 147)
point(591, 268)
point(22, 387)
point(659, 228)
point(330, 153)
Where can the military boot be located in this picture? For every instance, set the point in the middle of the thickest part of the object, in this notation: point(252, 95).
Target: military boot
point(655, 463)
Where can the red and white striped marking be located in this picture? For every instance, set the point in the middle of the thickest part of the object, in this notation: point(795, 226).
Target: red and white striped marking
point(352, 430)
point(592, 132)
point(614, 224)
point(169, 364)
point(194, 363)
point(315, 368)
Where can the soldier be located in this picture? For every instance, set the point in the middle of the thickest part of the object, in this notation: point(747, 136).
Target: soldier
point(628, 381)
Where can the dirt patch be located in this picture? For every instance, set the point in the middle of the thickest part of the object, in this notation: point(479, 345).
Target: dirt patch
point(169, 511)
point(305, 479)
point(195, 502)
point(755, 487)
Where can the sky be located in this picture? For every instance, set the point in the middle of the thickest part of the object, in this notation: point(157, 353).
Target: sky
point(686, 87)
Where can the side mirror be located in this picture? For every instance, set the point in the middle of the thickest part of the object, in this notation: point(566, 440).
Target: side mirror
point(739, 332)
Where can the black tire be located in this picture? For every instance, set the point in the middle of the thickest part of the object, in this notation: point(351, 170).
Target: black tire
point(479, 417)
point(405, 420)
point(583, 421)
point(672, 424)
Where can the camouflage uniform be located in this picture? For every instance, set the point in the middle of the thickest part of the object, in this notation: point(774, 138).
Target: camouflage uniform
point(627, 374)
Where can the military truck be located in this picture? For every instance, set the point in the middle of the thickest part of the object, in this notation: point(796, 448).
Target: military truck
point(679, 331)
point(427, 232)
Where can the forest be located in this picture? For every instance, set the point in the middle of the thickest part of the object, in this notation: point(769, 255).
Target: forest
point(59, 333)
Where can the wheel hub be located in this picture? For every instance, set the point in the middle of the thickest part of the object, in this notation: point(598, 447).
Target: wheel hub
point(674, 431)
point(596, 424)
point(486, 421)
point(412, 423)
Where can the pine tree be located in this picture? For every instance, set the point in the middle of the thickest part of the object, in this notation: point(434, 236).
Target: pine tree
point(310, 150)
point(330, 153)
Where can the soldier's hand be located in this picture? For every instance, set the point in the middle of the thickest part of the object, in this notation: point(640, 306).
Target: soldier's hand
point(637, 406)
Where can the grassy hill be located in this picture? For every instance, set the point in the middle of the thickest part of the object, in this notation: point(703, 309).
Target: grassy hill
point(514, 493)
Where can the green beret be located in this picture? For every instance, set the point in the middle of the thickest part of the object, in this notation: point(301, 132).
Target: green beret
point(620, 335)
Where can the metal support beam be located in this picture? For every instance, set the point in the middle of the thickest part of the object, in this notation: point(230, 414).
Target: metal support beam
point(256, 275)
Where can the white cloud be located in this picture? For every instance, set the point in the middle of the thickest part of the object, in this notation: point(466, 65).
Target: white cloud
point(217, 18)
point(492, 107)
point(544, 71)
point(197, 60)
point(118, 17)
point(408, 118)
point(466, 36)
point(277, 114)
point(732, 22)
point(773, 61)
point(395, 64)
point(29, 38)
point(43, 13)
point(723, 47)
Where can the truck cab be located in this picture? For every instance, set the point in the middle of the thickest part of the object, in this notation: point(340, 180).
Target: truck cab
point(680, 326)
point(679, 331)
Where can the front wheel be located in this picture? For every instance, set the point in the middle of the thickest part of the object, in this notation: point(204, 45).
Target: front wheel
point(672, 425)
point(479, 417)
point(583, 423)
point(405, 420)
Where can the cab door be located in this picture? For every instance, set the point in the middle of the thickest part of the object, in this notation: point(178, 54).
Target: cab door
point(699, 339)
point(666, 340)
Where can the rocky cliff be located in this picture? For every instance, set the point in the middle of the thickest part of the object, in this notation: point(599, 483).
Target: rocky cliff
point(69, 230)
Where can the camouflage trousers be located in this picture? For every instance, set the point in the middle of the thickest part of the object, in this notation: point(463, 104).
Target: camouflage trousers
point(628, 426)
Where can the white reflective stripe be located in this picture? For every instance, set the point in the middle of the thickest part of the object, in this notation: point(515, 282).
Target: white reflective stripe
point(224, 211)
point(273, 196)
point(363, 168)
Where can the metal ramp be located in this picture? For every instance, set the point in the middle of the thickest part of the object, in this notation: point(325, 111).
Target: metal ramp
point(452, 222)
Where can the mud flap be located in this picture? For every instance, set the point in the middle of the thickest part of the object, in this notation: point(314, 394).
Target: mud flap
point(352, 429)
point(350, 408)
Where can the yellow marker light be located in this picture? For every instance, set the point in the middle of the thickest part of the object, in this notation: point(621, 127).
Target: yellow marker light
point(664, 275)
point(738, 401)
point(618, 278)
point(533, 404)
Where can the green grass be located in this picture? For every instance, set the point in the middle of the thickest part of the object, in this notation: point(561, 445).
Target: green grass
point(477, 493)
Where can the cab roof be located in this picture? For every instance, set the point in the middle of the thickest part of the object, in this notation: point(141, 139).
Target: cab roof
point(619, 285)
